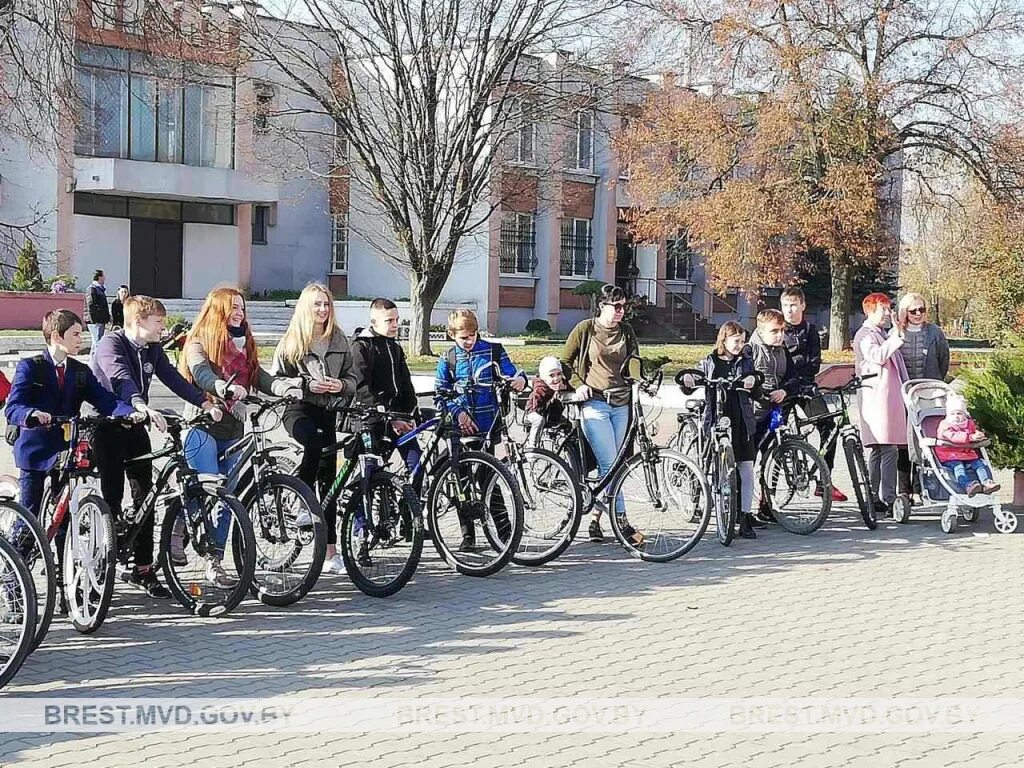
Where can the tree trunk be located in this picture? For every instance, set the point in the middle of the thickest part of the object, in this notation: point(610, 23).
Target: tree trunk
point(423, 294)
point(842, 295)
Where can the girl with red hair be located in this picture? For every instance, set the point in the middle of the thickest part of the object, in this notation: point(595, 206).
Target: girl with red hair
point(883, 417)
point(220, 347)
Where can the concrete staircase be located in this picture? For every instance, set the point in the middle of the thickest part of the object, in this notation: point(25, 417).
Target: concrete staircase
point(268, 319)
point(675, 324)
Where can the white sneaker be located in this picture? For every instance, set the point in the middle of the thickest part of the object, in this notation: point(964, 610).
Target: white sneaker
point(304, 519)
point(334, 564)
point(216, 575)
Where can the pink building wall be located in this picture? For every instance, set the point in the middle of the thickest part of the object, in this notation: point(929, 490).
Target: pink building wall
point(24, 311)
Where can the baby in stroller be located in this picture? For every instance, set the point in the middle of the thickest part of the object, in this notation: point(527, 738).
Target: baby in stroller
point(948, 451)
point(970, 470)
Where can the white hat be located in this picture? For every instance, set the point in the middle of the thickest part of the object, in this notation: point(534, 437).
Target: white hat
point(549, 364)
point(955, 404)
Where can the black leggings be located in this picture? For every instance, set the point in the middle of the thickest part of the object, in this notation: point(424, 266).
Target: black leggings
point(315, 429)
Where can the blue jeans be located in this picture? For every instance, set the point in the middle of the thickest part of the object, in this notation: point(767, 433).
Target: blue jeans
point(96, 331)
point(962, 472)
point(605, 429)
point(201, 453)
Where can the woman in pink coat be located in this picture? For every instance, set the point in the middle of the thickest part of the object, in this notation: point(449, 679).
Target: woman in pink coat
point(883, 418)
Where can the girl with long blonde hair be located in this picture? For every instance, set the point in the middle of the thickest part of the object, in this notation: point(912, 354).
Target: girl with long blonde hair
point(315, 349)
point(220, 358)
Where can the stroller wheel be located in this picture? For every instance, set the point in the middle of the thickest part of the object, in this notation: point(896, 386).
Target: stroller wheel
point(949, 518)
point(971, 514)
point(1006, 522)
point(901, 509)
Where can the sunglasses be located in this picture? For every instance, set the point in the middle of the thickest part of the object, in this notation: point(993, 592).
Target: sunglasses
point(620, 306)
point(916, 311)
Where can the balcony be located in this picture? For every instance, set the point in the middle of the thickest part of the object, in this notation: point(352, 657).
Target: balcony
point(133, 178)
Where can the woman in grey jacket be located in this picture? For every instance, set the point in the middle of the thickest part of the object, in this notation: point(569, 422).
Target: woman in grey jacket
point(925, 349)
point(315, 349)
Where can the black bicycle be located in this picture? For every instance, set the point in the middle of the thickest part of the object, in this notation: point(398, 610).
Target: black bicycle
point(24, 531)
point(658, 498)
point(17, 612)
point(842, 429)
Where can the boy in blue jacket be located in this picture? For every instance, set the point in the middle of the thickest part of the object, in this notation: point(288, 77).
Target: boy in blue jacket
point(47, 385)
point(470, 360)
point(125, 363)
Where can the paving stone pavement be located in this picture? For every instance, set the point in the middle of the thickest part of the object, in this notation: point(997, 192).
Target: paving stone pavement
point(904, 611)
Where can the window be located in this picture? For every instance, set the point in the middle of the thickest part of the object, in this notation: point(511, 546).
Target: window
point(148, 108)
point(518, 245)
point(524, 139)
point(584, 140)
point(259, 224)
point(115, 206)
point(339, 243)
point(104, 14)
point(576, 253)
point(208, 213)
point(678, 259)
point(88, 204)
point(263, 108)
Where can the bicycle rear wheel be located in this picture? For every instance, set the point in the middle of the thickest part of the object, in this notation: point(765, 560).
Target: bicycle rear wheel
point(666, 500)
point(289, 556)
point(725, 494)
point(791, 474)
point(90, 555)
point(198, 573)
point(22, 529)
point(478, 496)
point(382, 535)
point(553, 507)
point(861, 482)
point(18, 619)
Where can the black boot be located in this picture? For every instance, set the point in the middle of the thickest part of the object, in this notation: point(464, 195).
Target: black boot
point(746, 528)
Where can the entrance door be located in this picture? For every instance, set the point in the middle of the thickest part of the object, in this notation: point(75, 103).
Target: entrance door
point(156, 258)
point(626, 271)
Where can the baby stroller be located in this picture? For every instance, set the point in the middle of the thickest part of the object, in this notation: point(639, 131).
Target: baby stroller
point(926, 407)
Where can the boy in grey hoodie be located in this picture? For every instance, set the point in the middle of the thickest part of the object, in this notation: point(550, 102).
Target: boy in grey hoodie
point(773, 361)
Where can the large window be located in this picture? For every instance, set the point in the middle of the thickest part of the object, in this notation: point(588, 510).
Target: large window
point(119, 207)
point(584, 157)
point(576, 251)
point(339, 243)
point(518, 245)
point(148, 108)
point(679, 259)
point(524, 135)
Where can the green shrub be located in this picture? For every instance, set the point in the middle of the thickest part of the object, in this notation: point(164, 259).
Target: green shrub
point(27, 276)
point(996, 397)
point(538, 328)
point(171, 320)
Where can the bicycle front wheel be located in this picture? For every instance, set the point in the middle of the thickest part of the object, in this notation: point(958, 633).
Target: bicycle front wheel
point(382, 535)
point(724, 493)
point(17, 612)
point(193, 543)
point(290, 535)
point(861, 482)
point(552, 504)
point(665, 499)
point(475, 512)
point(90, 554)
point(797, 485)
point(23, 530)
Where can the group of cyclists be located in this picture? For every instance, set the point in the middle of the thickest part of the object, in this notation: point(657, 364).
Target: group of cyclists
point(503, 468)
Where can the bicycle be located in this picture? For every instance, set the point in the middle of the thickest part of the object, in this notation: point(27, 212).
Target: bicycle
point(468, 489)
point(286, 518)
point(23, 530)
point(793, 477)
point(853, 448)
point(653, 477)
point(209, 515)
point(715, 453)
point(17, 612)
point(552, 498)
point(380, 525)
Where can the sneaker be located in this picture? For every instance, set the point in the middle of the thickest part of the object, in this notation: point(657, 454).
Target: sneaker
point(764, 512)
point(304, 519)
point(595, 533)
point(334, 564)
point(633, 536)
point(990, 487)
point(216, 575)
point(973, 489)
point(746, 530)
point(149, 584)
point(837, 495)
point(363, 558)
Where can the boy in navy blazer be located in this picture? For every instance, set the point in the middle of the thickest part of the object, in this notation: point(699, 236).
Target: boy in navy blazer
point(48, 385)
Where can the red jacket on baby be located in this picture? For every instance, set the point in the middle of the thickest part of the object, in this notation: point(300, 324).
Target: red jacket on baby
point(959, 434)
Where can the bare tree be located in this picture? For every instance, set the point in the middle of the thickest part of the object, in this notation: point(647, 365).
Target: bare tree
point(927, 79)
point(424, 93)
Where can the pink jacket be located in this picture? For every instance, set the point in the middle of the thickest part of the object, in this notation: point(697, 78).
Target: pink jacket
point(961, 435)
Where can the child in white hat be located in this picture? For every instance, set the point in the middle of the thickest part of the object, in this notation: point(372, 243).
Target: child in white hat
point(971, 472)
point(544, 405)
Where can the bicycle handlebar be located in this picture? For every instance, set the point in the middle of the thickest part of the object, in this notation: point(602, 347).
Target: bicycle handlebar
point(702, 379)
